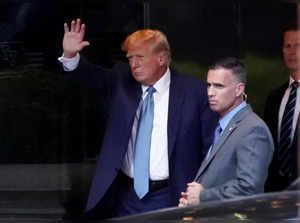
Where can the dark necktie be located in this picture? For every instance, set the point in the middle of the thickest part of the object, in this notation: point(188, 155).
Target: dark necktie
point(142, 145)
point(217, 135)
point(285, 141)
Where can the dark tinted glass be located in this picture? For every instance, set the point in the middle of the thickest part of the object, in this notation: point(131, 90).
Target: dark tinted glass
point(51, 127)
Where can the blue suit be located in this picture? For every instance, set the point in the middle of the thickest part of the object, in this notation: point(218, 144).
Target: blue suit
point(190, 128)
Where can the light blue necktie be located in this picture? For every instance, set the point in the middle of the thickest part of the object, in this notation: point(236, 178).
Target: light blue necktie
point(142, 146)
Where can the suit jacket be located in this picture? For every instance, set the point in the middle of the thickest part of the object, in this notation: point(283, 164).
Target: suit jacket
point(238, 163)
point(190, 127)
point(275, 181)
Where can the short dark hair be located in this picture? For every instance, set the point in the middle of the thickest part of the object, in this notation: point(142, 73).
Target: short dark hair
point(234, 64)
point(291, 25)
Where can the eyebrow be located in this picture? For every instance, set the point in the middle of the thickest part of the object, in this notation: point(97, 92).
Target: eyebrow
point(215, 84)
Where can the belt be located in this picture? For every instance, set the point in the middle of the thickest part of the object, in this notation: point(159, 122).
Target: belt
point(154, 185)
point(157, 184)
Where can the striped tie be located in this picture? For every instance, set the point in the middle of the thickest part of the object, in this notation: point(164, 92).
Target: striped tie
point(284, 154)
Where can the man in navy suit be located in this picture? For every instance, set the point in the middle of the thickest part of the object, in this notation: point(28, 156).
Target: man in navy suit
point(284, 166)
point(182, 125)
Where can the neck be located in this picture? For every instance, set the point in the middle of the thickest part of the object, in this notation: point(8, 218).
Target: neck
point(295, 75)
point(161, 73)
point(237, 103)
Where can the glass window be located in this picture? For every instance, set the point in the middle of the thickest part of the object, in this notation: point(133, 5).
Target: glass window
point(51, 127)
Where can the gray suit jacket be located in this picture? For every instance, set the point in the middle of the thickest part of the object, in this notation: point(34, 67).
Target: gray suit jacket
point(238, 162)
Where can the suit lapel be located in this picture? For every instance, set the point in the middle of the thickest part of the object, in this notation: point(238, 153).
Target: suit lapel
point(131, 97)
point(227, 132)
point(275, 105)
point(176, 97)
point(135, 94)
point(231, 127)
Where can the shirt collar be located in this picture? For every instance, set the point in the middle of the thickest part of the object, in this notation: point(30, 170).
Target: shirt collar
point(162, 84)
point(226, 119)
point(292, 80)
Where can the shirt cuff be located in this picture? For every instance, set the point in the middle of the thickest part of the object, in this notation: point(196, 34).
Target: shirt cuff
point(69, 64)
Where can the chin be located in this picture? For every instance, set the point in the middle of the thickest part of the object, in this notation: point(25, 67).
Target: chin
point(139, 79)
point(212, 107)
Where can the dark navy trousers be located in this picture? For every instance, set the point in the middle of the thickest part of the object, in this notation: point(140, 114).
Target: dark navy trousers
point(128, 202)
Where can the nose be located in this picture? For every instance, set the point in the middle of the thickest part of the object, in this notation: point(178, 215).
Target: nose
point(134, 63)
point(291, 50)
point(210, 91)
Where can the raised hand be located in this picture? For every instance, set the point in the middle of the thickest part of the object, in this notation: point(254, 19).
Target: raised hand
point(73, 41)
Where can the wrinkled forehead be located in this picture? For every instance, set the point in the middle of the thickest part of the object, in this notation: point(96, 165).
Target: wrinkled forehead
point(291, 36)
point(219, 73)
point(222, 75)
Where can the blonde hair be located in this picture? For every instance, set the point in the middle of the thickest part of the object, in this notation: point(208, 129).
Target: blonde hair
point(151, 37)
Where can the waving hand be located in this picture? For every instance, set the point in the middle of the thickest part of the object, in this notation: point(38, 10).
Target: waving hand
point(73, 41)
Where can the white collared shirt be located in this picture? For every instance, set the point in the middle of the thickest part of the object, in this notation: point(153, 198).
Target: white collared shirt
point(159, 165)
point(223, 122)
point(282, 107)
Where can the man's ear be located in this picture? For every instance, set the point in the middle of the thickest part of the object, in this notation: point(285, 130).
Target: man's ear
point(239, 89)
point(162, 58)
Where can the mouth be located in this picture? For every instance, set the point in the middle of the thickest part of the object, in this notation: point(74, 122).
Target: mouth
point(137, 73)
point(212, 102)
point(292, 58)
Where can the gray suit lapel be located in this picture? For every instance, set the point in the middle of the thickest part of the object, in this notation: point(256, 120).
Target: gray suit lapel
point(231, 127)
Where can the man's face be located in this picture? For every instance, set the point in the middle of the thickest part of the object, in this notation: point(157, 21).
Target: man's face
point(290, 49)
point(223, 93)
point(146, 67)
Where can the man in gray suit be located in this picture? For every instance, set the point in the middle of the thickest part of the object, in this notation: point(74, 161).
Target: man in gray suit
point(238, 160)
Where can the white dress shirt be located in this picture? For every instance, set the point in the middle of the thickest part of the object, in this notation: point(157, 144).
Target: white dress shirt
point(282, 107)
point(159, 165)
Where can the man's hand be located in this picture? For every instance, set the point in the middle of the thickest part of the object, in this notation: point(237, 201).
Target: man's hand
point(73, 38)
point(191, 196)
